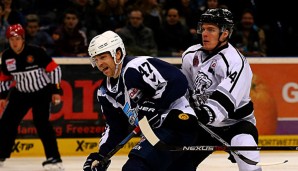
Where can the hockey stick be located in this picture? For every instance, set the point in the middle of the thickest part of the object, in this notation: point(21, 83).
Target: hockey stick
point(155, 141)
point(246, 160)
point(118, 147)
point(225, 148)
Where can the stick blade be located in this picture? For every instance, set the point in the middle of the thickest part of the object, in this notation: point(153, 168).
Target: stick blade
point(271, 163)
point(147, 131)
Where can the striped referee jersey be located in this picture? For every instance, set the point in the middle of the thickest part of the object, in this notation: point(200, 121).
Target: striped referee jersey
point(31, 70)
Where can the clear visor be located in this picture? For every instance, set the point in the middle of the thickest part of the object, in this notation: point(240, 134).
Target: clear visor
point(221, 28)
point(92, 61)
point(199, 28)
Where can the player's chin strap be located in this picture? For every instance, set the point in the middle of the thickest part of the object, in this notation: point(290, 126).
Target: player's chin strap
point(117, 64)
point(155, 141)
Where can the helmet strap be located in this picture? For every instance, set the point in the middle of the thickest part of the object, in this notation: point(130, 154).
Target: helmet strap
point(116, 70)
point(117, 64)
point(218, 44)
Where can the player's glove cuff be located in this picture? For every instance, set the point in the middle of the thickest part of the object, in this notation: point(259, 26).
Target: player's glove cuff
point(148, 108)
point(205, 114)
point(95, 162)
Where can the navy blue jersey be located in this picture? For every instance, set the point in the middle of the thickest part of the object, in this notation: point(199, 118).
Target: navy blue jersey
point(141, 77)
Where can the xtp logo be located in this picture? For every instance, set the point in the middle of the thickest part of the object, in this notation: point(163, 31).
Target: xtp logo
point(18, 146)
point(82, 145)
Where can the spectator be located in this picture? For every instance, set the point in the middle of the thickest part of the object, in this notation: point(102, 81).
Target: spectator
point(3, 26)
point(48, 12)
point(138, 38)
point(152, 12)
point(212, 4)
point(189, 14)
point(112, 14)
point(173, 37)
point(11, 13)
point(70, 40)
point(248, 38)
point(90, 22)
point(36, 36)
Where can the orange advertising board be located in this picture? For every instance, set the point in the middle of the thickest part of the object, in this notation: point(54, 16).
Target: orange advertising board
point(280, 79)
point(274, 93)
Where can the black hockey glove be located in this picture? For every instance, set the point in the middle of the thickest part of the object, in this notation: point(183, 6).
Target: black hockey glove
point(147, 108)
point(205, 114)
point(94, 162)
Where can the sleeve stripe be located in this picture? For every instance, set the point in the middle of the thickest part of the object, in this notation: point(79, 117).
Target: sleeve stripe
point(227, 104)
point(226, 62)
point(223, 100)
point(55, 75)
point(238, 75)
point(51, 66)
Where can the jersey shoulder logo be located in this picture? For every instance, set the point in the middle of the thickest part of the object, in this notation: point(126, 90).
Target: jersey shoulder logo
point(195, 61)
point(11, 64)
point(135, 94)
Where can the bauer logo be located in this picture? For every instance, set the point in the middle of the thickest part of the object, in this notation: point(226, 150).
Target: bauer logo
point(103, 45)
point(84, 145)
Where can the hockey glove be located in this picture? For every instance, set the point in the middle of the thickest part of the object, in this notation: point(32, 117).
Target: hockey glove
point(147, 108)
point(205, 114)
point(94, 162)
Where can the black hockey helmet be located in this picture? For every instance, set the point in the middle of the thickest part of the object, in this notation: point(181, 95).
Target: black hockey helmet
point(223, 18)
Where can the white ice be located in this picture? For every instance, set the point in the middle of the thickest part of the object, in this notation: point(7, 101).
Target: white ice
point(217, 161)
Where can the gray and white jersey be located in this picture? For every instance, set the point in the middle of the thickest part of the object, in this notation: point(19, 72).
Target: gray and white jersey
point(220, 80)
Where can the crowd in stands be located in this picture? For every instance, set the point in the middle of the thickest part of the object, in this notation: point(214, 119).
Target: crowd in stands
point(163, 28)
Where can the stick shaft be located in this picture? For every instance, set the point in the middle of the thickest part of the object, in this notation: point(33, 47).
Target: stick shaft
point(231, 148)
point(121, 144)
point(155, 141)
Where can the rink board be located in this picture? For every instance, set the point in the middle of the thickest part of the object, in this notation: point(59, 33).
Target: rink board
point(84, 146)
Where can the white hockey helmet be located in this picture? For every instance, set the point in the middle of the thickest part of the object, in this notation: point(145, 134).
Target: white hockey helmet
point(108, 41)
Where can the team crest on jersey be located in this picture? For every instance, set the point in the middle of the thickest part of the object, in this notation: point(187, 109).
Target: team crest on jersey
point(30, 59)
point(201, 84)
point(11, 64)
point(195, 61)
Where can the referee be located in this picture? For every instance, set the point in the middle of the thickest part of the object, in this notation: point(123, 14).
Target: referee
point(29, 79)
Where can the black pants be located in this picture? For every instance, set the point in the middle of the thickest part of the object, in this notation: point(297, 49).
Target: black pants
point(174, 131)
point(17, 107)
point(226, 133)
